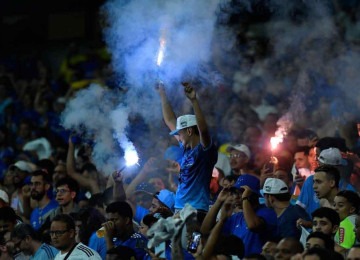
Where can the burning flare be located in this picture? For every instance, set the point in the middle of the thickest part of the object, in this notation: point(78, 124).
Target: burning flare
point(274, 141)
point(161, 52)
point(131, 157)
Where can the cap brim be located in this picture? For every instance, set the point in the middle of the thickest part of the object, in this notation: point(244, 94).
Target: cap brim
point(144, 192)
point(174, 132)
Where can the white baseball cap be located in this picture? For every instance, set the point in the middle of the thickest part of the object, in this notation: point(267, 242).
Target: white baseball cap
point(184, 121)
point(22, 165)
point(331, 156)
point(275, 186)
point(241, 148)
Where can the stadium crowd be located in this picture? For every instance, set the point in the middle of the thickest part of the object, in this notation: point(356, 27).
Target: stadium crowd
point(214, 188)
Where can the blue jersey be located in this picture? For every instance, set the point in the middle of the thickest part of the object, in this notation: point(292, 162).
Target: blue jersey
point(98, 244)
point(195, 175)
point(253, 241)
point(38, 216)
point(45, 252)
point(287, 221)
point(308, 199)
point(140, 213)
point(137, 242)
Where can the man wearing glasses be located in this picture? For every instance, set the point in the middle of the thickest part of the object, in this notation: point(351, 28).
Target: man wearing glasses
point(28, 241)
point(66, 191)
point(239, 155)
point(5, 246)
point(62, 233)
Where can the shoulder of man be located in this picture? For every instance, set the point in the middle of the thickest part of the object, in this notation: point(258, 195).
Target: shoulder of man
point(84, 250)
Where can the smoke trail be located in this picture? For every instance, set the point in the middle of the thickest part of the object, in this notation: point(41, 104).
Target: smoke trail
point(95, 114)
point(133, 33)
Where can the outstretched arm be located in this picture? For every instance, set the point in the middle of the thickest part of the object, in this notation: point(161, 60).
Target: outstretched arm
point(253, 221)
point(200, 119)
point(90, 184)
point(210, 218)
point(213, 239)
point(167, 111)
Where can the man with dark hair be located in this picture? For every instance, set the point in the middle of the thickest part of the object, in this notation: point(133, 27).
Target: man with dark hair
point(254, 224)
point(40, 188)
point(119, 229)
point(62, 232)
point(5, 250)
point(66, 191)
point(8, 219)
point(288, 247)
point(326, 184)
point(325, 220)
point(302, 166)
point(277, 197)
point(27, 240)
point(199, 153)
point(319, 239)
point(330, 157)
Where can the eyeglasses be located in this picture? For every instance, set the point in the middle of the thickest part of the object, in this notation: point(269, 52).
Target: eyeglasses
point(62, 191)
point(237, 155)
point(58, 232)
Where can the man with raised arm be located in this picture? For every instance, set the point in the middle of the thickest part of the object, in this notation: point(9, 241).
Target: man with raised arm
point(199, 152)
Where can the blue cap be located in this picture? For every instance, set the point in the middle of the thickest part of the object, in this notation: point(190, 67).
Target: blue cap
point(167, 198)
point(145, 187)
point(248, 180)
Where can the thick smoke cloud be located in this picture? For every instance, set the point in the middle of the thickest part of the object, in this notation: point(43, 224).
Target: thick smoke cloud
point(95, 114)
point(133, 32)
point(135, 28)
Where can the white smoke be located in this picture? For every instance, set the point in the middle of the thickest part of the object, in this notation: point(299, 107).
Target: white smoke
point(95, 114)
point(132, 33)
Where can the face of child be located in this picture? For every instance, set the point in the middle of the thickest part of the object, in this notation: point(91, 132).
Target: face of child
point(323, 225)
point(343, 207)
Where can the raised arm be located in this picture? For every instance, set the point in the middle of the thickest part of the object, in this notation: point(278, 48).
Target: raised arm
point(118, 189)
point(253, 221)
point(167, 111)
point(210, 218)
point(212, 240)
point(190, 93)
point(90, 184)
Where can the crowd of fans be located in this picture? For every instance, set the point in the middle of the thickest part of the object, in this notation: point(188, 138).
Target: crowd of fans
point(219, 179)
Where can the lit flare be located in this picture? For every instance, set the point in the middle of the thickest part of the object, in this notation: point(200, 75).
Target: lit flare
point(275, 141)
point(160, 56)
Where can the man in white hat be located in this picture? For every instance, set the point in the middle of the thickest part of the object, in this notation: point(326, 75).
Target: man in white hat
point(199, 152)
point(308, 199)
point(239, 155)
point(277, 196)
point(19, 171)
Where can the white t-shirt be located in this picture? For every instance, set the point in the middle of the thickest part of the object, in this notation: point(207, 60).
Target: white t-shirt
point(80, 252)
